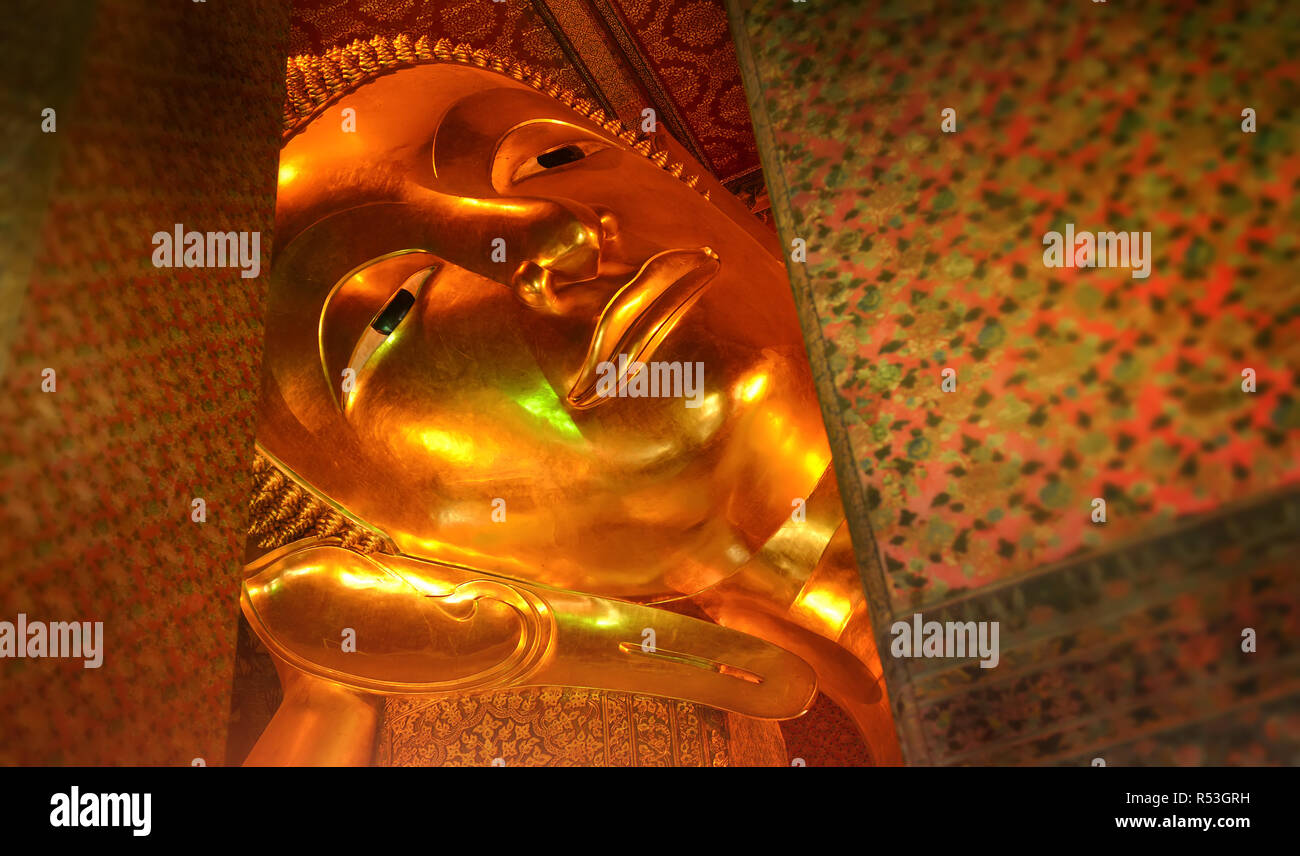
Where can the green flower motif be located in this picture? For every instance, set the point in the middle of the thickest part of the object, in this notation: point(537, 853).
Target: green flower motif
point(1055, 495)
point(992, 335)
point(1127, 369)
point(1286, 415)
point(870, 299)
point(958, 265)
point(887, 376)
point(1199, 254)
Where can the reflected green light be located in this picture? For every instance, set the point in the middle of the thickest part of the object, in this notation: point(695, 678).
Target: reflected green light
point(545, 404)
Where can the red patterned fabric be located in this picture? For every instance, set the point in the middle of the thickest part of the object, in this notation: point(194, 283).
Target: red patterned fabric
point(174, 118)
point(925, 256)
point(688, 48)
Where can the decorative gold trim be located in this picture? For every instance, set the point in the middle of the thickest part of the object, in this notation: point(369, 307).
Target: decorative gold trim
point(281, 511)
point(312, 82)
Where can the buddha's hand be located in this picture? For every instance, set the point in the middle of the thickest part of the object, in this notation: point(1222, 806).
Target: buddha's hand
point(395, 625)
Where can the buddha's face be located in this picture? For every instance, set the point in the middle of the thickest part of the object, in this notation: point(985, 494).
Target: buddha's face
point(456, 286)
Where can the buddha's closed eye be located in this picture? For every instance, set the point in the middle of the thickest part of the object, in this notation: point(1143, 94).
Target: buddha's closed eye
point(554, 158)
point(386, 320)
point(560, 156)
point(394, 311)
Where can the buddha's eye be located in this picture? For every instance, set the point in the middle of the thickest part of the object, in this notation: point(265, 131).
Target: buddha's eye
point(556, 157)
point(561, 156)
point(394, 311)
point(386, 320)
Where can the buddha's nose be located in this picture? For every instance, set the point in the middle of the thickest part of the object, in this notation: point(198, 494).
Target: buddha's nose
point(538, 247)
point(570, 255)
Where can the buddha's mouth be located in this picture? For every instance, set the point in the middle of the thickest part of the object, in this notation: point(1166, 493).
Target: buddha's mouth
point(640, 315)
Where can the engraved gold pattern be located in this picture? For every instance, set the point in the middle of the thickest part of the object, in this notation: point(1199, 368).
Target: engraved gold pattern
point(553, 728)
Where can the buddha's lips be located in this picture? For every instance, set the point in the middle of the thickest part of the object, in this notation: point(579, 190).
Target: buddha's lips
point(641, 314)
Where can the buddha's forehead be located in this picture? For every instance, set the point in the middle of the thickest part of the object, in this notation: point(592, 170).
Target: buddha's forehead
point(435, 125)
point(417, 115)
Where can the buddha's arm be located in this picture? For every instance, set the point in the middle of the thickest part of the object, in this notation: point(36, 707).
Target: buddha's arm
point(347, 629)
point(319, 723)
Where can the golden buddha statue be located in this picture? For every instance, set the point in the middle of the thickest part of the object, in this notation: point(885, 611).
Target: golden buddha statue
point(536, 412)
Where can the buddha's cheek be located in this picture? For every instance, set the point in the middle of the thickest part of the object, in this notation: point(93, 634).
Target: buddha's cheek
point(435, 433)
point(453, 420)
